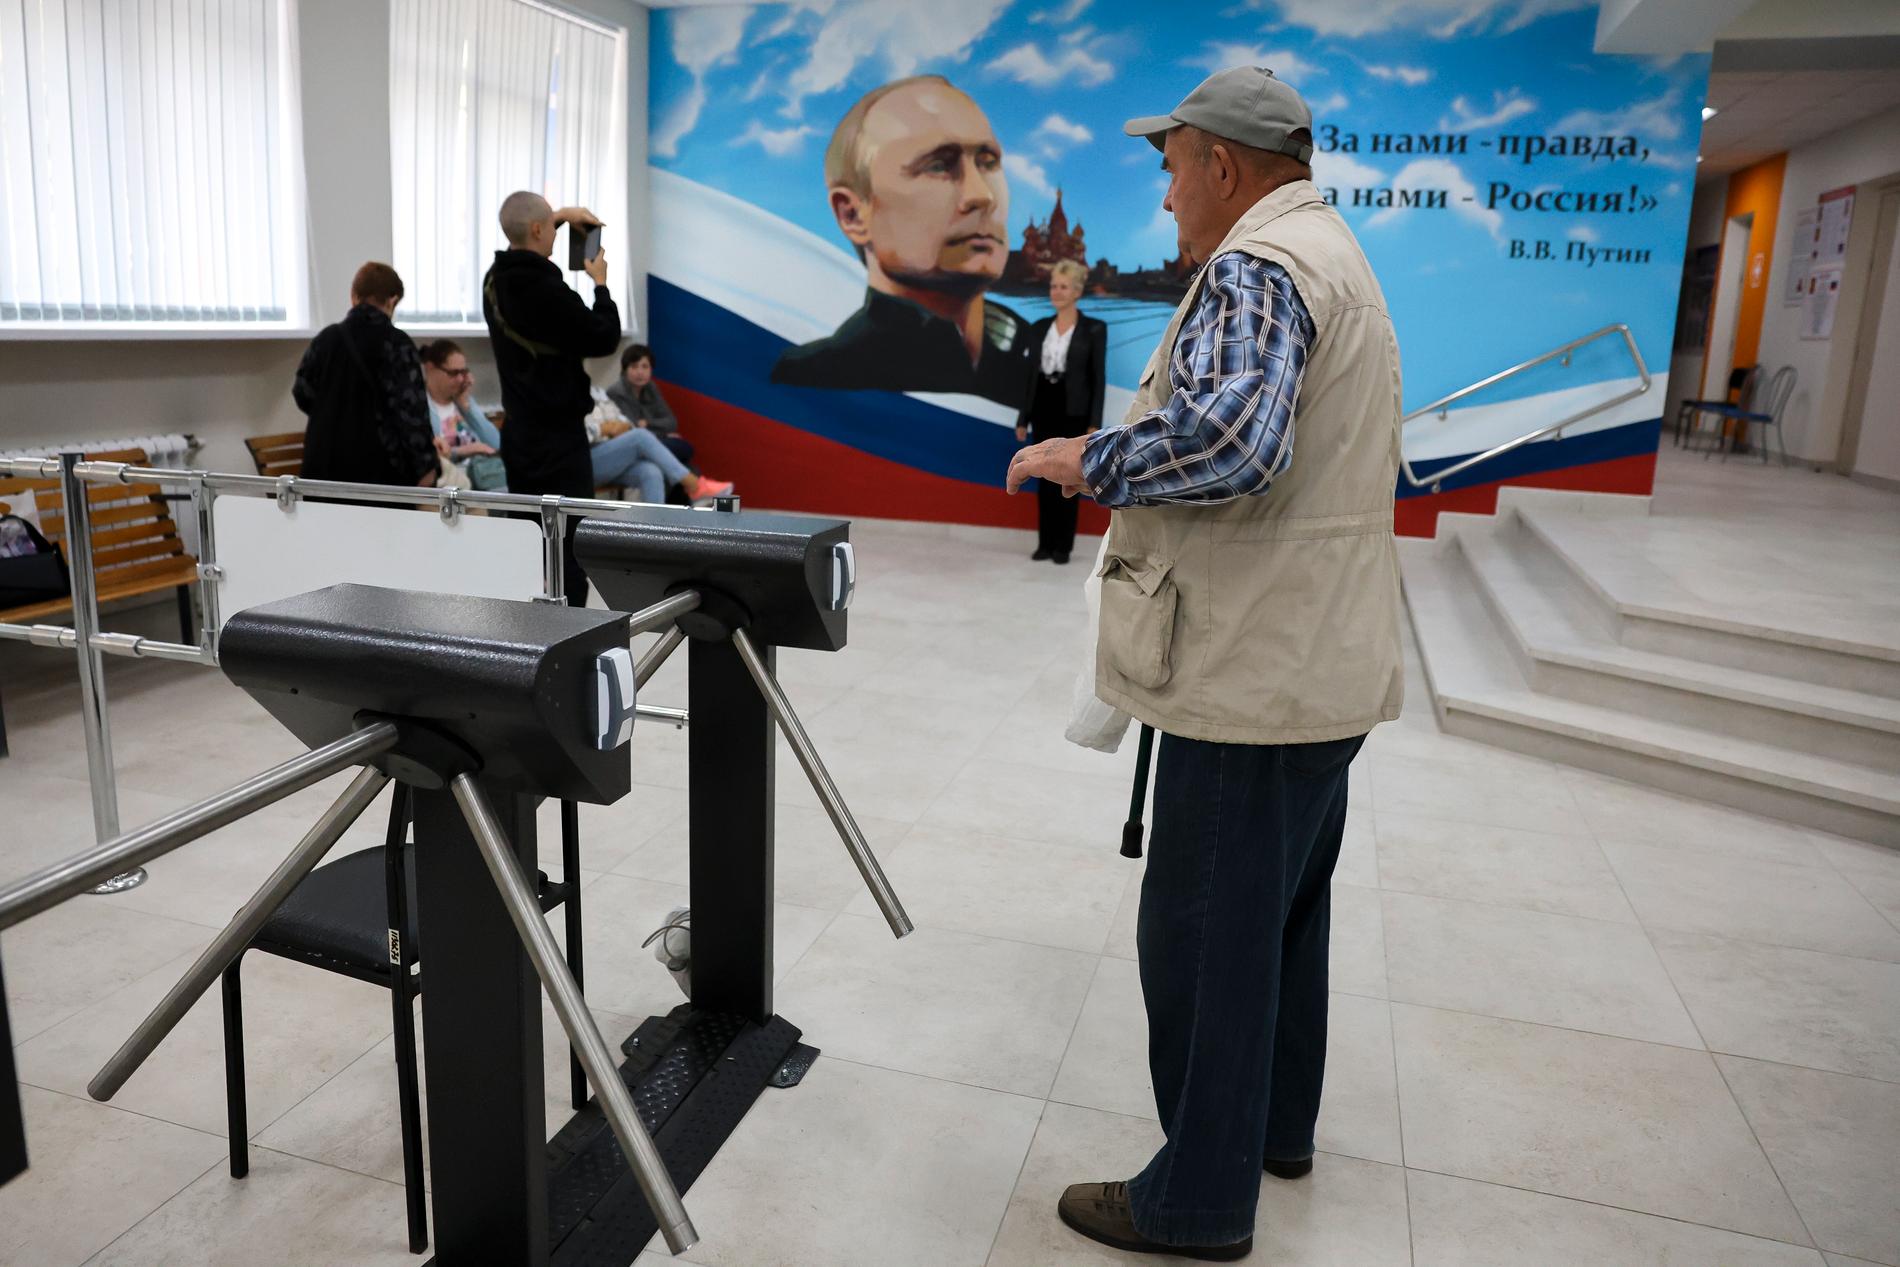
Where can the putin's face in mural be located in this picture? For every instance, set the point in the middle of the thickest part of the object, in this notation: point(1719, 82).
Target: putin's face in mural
point(914, 178)
point(934, 207)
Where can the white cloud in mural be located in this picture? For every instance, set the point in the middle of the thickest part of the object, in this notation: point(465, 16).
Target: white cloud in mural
point(1659, 118)
point(903, 35)
point(1505, 106)
point(680, 119)
point(1342, 171)
point(1073, 66)
point(1056, 134)
point(1410, 76)
point(702, 39)
point(1220, 54)
point(1442, 18)
point(1583, 233)
point(778, 142)
point(1028, 173)
point(1333, 104)
point(1062, 14)
point(1436, 174)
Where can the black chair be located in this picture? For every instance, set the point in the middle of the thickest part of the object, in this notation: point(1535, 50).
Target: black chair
point(1741, 390)
point(341, 918)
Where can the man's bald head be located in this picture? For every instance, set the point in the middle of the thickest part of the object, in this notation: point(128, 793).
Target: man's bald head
point(520, 213)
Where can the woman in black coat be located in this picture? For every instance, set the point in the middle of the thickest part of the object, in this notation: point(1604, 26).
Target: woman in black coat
point(1065, 370)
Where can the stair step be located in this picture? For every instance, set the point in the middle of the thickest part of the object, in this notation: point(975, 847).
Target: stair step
point(1479, 692)
point(1606, 555)
point(1566, 647)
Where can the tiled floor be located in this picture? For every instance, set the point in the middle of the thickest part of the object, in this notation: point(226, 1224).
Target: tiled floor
point(1575, 1021)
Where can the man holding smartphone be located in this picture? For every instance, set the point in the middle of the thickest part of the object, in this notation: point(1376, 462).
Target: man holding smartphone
point(542, 332)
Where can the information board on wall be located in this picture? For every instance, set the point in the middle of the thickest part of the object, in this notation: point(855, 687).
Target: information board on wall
point(1833, 218)
point(1800, 257)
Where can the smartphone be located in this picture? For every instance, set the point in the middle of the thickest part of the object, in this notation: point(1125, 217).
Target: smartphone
point(583, 244)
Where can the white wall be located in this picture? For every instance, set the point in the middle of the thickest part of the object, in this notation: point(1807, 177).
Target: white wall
point(1855, 155)
point(223, 390)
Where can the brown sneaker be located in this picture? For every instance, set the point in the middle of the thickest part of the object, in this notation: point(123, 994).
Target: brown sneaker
point(1100, 1212)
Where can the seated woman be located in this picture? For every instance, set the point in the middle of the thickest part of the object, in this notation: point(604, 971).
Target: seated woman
point(631, 456)
point(462, 435)
point(640, 402)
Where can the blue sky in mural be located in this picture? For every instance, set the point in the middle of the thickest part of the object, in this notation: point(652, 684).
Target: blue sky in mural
point(744, 99)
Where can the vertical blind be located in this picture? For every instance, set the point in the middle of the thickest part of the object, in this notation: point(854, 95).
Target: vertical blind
point(488, 97)
point(149, 164)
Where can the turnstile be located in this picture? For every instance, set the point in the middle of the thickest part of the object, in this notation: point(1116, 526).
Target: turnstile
point(485, 707)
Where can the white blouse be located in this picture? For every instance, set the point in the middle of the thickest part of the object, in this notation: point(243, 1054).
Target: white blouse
point(1055, 347)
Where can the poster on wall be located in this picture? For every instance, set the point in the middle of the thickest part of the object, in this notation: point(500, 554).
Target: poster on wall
point(1802, 249)
point(857, 208)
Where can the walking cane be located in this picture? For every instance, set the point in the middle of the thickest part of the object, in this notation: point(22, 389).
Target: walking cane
point(1131, 830)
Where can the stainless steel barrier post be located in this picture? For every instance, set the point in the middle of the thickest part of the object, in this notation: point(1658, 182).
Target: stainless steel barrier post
point(92, 669)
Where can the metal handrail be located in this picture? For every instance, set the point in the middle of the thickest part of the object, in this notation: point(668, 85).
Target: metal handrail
point(204, 486)
point(1441, 405)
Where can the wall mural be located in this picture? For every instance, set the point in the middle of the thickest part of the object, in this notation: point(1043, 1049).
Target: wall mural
point(856, 206)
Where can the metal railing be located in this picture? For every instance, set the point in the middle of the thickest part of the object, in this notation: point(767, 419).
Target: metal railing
point(202, 488)
point(1441, 406)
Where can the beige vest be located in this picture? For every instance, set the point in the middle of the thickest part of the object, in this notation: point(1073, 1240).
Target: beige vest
point(1274, 619)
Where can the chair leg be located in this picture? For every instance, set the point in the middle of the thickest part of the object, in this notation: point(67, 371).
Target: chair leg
point(186, 620)
point(571, 876)
point(411, 1101)
point(3, 728)
point(235, 1117)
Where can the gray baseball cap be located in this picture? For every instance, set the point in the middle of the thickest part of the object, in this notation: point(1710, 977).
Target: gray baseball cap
point(1242, 103)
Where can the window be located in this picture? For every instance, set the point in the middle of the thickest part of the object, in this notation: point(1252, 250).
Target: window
point(488, 97)
point(150, 170)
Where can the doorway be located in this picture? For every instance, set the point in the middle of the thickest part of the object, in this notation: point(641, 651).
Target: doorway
point(1870, 423)
point(1728, 307)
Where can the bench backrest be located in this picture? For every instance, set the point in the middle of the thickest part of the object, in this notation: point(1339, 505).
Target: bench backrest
point(276, 455)
point(133, 533)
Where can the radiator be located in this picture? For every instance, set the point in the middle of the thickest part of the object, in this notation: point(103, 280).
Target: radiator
point(174, 450)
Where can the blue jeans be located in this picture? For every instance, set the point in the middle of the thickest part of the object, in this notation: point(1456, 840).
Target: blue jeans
point(637, 459)
point(1232, 940)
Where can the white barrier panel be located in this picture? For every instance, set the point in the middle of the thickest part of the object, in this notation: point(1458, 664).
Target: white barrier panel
point(267, 552)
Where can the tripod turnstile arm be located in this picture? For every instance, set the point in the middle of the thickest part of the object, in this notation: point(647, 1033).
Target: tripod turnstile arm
point(229, 944)
point(828, 795)
point(81, 872)
point(517, 895)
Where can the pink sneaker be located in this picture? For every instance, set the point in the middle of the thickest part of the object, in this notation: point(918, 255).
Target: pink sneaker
point(711, 488)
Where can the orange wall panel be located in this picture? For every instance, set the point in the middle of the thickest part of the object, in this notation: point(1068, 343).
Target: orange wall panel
point(1755, 190)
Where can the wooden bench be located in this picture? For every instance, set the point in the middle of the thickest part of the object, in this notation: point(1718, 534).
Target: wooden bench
point(276, 455)
point(136, 549)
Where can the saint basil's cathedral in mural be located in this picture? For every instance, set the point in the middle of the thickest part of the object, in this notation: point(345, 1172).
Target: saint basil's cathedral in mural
point(1055, 239)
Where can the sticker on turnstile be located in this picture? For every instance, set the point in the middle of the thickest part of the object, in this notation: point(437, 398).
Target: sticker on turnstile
point(613, 698)
point(844, 575)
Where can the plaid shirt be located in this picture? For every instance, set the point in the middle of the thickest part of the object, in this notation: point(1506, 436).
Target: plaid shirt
point(1227, 429)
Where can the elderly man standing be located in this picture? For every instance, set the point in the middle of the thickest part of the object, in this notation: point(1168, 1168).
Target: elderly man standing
point(1250, 603)
point(542, 331)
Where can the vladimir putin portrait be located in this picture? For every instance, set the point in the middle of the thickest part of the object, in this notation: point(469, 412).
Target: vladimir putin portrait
point(915, 178)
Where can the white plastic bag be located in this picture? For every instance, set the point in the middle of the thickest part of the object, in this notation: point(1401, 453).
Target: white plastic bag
point(1093, 724)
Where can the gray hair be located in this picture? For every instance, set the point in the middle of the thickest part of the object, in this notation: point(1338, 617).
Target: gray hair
point(520, 212)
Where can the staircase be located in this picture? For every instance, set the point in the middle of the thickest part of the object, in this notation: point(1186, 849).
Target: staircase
point(1541, 633)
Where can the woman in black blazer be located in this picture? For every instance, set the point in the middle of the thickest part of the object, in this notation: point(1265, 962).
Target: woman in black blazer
point(1062, 396)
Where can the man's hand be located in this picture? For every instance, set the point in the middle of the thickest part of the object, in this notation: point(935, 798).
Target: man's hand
point(1022, 434)
point(1058, 461)
point(575, 215)
point(596, 268)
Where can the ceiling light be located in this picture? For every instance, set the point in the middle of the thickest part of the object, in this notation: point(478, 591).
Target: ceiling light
point(1708, 112)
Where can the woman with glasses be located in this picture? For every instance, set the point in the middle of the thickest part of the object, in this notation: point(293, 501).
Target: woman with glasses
point(464, 438)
